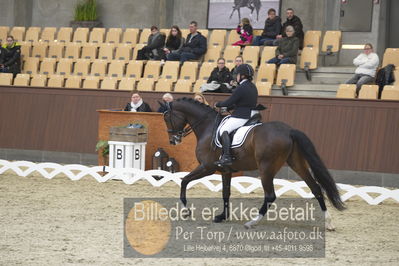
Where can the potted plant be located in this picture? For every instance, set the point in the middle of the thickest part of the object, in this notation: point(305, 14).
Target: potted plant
point(86, 15)
point(102, 146)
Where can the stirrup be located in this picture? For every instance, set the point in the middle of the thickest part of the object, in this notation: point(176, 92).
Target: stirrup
point(224, 161)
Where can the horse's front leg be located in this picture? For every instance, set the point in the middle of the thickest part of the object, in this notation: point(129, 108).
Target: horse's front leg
point(226, 179)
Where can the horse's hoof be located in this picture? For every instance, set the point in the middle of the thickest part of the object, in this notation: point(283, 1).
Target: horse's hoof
point(330, 228)
point(248, 225)
point(219, 218)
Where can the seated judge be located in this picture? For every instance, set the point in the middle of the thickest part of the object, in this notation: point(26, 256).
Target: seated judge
point(137, 104)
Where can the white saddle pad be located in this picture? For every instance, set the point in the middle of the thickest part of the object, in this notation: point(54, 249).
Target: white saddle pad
point(238, 138)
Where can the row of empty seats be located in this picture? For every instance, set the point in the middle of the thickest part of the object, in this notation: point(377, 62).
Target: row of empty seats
point(368, 92)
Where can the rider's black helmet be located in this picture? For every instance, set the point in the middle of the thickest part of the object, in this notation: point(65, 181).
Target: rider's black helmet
point(245, 70)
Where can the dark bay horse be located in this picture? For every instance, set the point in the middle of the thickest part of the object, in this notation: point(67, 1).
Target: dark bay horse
point(251, 4)
point(266, 148)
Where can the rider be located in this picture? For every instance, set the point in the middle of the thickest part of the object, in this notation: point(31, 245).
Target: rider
point(243, 100)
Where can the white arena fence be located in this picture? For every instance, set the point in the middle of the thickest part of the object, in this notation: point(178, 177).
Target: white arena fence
point(243, 184)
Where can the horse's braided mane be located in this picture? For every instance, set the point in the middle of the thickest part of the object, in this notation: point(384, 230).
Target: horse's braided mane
point(191, 100)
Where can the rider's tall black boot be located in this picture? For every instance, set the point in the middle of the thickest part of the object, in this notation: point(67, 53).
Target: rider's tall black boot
point(226, 156)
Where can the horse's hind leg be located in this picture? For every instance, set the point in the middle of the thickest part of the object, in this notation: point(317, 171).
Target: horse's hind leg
point(299, 165)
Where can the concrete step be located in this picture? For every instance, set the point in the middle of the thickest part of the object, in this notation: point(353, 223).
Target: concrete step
point(322, 78)
point(308, 90)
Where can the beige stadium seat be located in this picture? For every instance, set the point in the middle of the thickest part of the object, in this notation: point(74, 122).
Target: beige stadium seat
point(18, 33)
point(26, 48)
point(164, 85)
point(189, 71)
point(368, 92)
point(218, 38)
point(396, 75)
point(204, 32)
point(233, 37)
point(183, 86)
point(388, 93)
point(91, 83)
point(81, 67)
point(136, 49)
point(38, 80)
point(145, 33)
point(64, 67)
point(116, 69)
point(127, 84)
point(257, 32)
point(205, 70)
point(286, 77)
point(39, 50)
point(32, 34)
point(251, 55)
point(134, 69)
point(56, 81)
point(106, 51)
point(213, 54)
point(264, 88)
point(3, 33)
point(312, 39)
point(346, 91)
point(230, 66)
point(185, 33)
point(113, 35)
point(97, 35)
point(72, 50)
point(89, 51)
point(6, 79)
point(73, 82)
point(230, 53)
point(64, 34)
point(56, 50)
point(145, 84)
point(47, 67)
point(109, 83)
point(48, 34)
point(123, 52)
point(170, 71)
point(391, 56)
point(268, 53)
point(198, 84)
point(31, 65)
point(331, 42)
point(22, 80)
point(309, 58)
point(131, 36)
point(98, 68)
point(266, 73)
point(152, 70)
point(81, 35)
point(165, 31)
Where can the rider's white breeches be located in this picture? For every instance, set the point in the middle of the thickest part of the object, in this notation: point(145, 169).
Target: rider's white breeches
point(232, 124)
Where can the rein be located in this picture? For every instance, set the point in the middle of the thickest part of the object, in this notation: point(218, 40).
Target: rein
point(187, 130)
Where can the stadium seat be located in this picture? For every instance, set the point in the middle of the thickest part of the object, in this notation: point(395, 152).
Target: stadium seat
point(81, 35)
point(152, 70)
point(266, 73)
point(218, 38)
point(170, 70)
point(123, 52)
point(198, 84)
point(189, 71)
point(89, 51)
point(64, 34)
point(47, 67)
point(204, 32)
point(145, 33)
point(97, 35)
point(32, 34)
point(127, 84)
point(72, 50)
point(48, 34)
point(264, 88)
point(268, 53)
point(391, 56)
point(390, 93)
point(368, 92)
point(396, 75)
point(22, 80)
point(38, 80)
point(91, 83)
point(73, 82)
point(136, 49)
point(116, 69)
point(165, 31)
point(230, 66)
point(308, 60)
point(113, 35)
point(145, 84)
point(81, 67)
point(106, 51)
point(230, 53)
point(109, 83)
point(185, 33)
point(233, 37)
point(18, 33)
point(6, 79)
point(26, 48)
point(98, 68)
point(39, 50)
point(163, 85)
point(213, 53)
point(286, 76)
point(56, 50)
point(331, 42)
point(3, 33)
point(346, 91)
point(56, 81)
point(31, 65)
point(130, 36)
point(251, 55)
point(183, 85)
point(205, 71)
point(64, 67)
point(312, 39)
point(257, 32)
point(134, 69)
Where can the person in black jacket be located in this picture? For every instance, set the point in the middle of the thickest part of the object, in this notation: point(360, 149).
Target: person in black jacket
point(243, 100)
point(10, 57)
point(271, 30)
point(174, 42)
point(219, 80)
point(194, 47)
point(137, 104)
point(295, 22)
point(155, 44)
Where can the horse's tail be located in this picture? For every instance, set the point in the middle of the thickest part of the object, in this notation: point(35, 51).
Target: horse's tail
point(320, 172)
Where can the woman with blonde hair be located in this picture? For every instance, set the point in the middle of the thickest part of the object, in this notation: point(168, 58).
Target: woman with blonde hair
point(200, 98)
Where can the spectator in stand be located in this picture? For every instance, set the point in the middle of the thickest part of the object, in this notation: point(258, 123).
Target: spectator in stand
point(10, 57)
point(194, 47)
point(246, 32)
point(294, 21)
point(154, 48)
point(174, 42)
point(367, 63)
point(219, 80)
point(238, 61)
point(137, 104)
point(200, 98)
point(271, 30)
point(287, 50)
point(166, 98)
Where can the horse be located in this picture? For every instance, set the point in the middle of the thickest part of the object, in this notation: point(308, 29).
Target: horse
point(251, 4)
point(267, 147)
